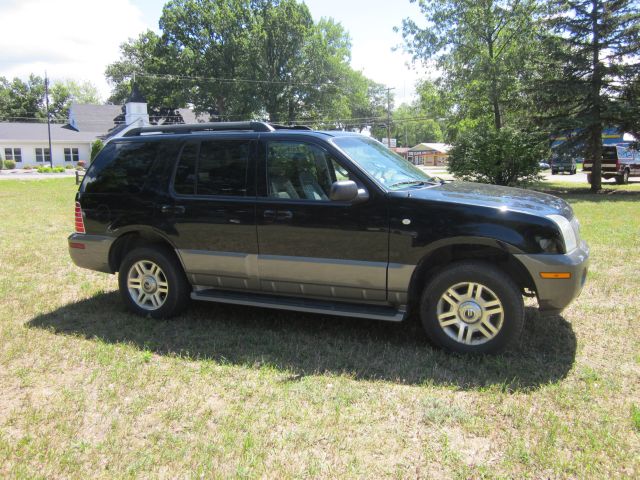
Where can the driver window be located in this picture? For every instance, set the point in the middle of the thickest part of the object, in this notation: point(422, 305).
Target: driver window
point(300, 171)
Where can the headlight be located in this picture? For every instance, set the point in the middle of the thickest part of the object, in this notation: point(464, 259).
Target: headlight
point(549, 245)
point(568, 233)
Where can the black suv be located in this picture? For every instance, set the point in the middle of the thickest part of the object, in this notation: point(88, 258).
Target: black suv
point(327, 222)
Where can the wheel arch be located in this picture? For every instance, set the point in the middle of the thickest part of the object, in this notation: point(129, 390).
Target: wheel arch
point(138, 237)
point(490, 251)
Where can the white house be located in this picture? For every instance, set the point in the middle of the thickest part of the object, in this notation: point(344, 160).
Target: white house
point(28, 143)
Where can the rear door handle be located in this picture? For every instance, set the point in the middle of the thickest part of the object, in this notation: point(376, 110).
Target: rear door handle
point(270, 214)
point(175, 209)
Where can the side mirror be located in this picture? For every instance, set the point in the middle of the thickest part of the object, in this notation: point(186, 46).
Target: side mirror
point(343, 191)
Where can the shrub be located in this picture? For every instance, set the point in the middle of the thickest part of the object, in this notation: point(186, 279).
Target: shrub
point(68, 166)
point(44, 169)
point(96, 146)
point(27, 167)
point(503, 157)
point(81, 163)
point(10, 164)
point(58, 170)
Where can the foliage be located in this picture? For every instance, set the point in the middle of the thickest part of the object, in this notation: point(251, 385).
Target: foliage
point(483, 49)
point(9, 164)
point(21, 100)
point(24, 100)
point(51, 169)
point(590, 81)
point(239, 59)
point(507, 156)
point(96, 146)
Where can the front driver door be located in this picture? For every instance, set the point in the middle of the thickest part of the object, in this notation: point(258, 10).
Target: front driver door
point(312, 246)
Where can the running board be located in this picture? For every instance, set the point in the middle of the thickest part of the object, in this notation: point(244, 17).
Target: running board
point(341, 309)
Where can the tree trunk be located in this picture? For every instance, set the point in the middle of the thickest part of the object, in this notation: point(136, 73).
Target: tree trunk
point(497, 117)
point(595, 134)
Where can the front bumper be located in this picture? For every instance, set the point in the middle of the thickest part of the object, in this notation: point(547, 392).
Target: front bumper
point(90, 251)
point(555, 294)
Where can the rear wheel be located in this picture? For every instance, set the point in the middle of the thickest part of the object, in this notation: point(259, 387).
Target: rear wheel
point(588, 178)
point(152, 283)
point(472, 307)
point(623, 179)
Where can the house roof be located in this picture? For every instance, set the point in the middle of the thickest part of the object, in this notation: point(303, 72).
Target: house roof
point(106, 119)
point(94, 118)
point(438, 147)
point(34, 132)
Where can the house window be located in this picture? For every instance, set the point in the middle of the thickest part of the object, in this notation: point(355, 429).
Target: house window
point(71, 154)
point(43, 154)
point(14, 154)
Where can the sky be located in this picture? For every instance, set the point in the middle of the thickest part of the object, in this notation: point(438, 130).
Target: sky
point(77, 39)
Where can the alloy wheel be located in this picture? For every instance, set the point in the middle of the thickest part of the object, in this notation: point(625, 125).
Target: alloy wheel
point(470, 313)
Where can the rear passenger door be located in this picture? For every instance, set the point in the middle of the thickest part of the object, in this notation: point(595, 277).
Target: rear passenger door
point(211, 214)
point(312, 246)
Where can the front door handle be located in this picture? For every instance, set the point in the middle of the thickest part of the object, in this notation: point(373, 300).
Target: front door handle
point(175, 209)
point(284, 215)
point(269, 214)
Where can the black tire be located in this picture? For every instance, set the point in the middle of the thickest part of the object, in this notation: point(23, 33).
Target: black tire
point(176, 298)
point(554, 172)
point(589, 178)
point(496, 284)
point(623, 179)
point(573, 172)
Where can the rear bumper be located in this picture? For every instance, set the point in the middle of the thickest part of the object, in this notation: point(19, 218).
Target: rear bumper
point(555, 294)
point(90, 251)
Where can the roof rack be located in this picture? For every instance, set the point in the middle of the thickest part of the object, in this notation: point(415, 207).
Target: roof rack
point(201, 127)
point(290, 127)
point(212, 127)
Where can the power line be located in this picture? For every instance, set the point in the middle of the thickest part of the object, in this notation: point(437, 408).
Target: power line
point(227, 80)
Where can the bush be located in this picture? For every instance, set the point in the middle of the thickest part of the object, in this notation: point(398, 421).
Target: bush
point(503, 157)
point(58, 170)
point(27, 167)
point(68, 166)
point(44, 170)
point(96, 146)
point(10, 164)
point(81, 163)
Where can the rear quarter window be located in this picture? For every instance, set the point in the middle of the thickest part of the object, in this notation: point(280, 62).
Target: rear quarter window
point(121, 167)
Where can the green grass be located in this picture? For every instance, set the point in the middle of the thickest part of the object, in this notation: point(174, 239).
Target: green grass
point(88, 390)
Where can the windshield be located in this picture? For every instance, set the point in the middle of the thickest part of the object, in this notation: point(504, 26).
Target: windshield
point(388, 168)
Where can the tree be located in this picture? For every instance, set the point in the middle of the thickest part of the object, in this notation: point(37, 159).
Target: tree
point(20, 100)
point(473, 156)
point(593, 47)
point(483, 49)
point(239, 59)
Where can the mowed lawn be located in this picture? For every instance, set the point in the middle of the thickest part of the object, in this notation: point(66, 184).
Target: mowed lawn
point(89, 391)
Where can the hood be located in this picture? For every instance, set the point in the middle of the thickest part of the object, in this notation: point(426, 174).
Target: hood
point(480, 194)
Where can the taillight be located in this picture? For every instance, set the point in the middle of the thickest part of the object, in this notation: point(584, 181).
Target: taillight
point(79, 219)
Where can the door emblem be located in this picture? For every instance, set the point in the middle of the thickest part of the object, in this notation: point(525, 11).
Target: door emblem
point(406, 221)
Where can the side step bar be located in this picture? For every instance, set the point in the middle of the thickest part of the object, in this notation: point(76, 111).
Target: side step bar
point(341, 309)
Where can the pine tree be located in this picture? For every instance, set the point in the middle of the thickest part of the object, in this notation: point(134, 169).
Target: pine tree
point(592, 48)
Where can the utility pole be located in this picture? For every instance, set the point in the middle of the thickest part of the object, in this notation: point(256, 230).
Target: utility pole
point(46, 99)
point(389, 117)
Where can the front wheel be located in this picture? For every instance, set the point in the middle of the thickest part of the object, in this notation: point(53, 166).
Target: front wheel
point(152, 283)
point(472, 307)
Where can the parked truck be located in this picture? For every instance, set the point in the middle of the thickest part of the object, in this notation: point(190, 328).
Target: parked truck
point(618, 161)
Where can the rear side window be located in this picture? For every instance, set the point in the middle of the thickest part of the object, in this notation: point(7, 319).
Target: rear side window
point(216, 168)
point(121, 168)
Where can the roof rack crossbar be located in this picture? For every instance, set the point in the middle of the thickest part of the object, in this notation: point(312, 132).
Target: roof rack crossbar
point(201, 127)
